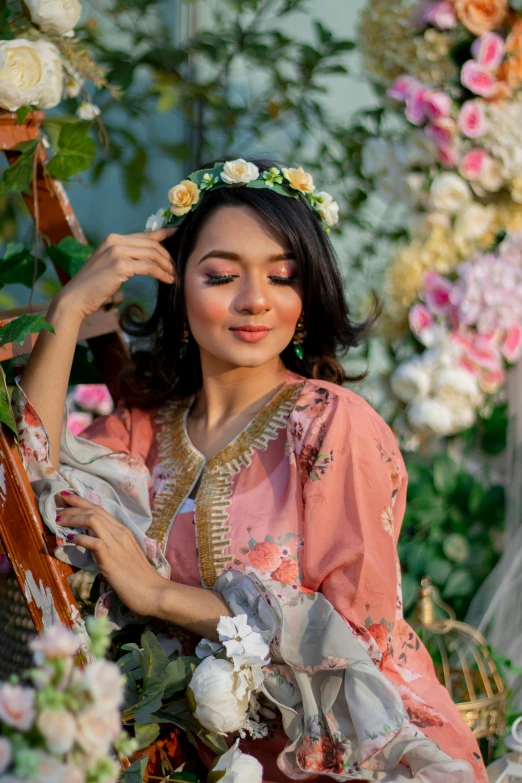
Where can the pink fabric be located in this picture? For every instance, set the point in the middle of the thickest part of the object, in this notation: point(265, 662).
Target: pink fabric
point(319, 508)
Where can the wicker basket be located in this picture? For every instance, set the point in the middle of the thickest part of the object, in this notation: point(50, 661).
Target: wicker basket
point(16, 627)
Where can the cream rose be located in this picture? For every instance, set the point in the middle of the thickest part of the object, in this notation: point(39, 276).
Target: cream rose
point(51, 88)
point(21, 73)
point(299, 179)
point(183, 197)
point(432, 416)
point(481, 16)
point(327, 208)
point(212, 692)
point(449, 193)
point(237, 172)
point(97, 730)
point(105, 682)
point(472, 223)
point(56, 642)
point(57, 17)
point(58, 728)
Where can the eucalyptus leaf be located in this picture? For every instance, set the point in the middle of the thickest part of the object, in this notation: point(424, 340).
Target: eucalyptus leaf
point(456, 548)
point(76, 151)
point(460, 583)
point(157, 663)
point(136, 772)
point(146, 734)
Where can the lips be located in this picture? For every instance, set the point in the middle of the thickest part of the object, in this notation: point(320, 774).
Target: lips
point(250, 333)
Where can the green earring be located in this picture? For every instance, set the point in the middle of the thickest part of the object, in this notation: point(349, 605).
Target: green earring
point(185, 341)
point(299, 337)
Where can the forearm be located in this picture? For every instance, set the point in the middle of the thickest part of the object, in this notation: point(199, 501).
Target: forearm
point(46, 375)
point(194, 608)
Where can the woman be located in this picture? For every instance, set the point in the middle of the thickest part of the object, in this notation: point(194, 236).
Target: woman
point(246, 472)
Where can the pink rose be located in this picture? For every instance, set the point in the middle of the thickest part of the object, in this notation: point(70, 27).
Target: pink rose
point(488, 50)
point(491, 381)
point(437, 104)
point(55, 642)
point(420, 318)
point(17, 706)
point(94, 397)
point(477, 79)
point(415, 106)
point(473, 163)
point(79, 421)
point(437, 291)
point(442, 132)
point(448, 156)
point(512, 344)
point(402, 87)
point(484, 353)
point(442, 15)
point(472, 119)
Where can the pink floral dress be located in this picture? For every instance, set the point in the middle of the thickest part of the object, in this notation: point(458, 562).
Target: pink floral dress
point(296, 523)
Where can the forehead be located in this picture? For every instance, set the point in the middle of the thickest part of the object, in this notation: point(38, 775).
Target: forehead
point(239, 230)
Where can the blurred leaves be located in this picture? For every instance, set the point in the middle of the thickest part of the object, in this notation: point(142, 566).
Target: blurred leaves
point(75, 152)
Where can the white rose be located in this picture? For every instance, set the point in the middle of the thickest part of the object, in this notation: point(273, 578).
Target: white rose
point(376, 154)
point(97, 730)
point(74, 774)
point(473, 222)
point(17, 706)
point(155, 221)
point(105, 682)
point(87, 111)
point(430, 415)
point(449, 193)
point(239, 171)
point(215, 704)
point(327, 208)
point(238, 767)
point(55, 642)
point(51, 89)
point(458, 385)
point(410, 381)
point(58, 728)
point(50, 770)
point(57, 17)
point(21, 74)
point(491, 177)
point(463, 416)
point(6, 754)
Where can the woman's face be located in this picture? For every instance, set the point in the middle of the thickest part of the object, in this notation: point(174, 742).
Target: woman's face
point(242, 290)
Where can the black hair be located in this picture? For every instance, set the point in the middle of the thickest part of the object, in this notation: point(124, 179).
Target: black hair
point(157, 372)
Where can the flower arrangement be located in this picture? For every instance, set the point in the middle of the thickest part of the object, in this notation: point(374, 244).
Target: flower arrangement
point(208, 696)
point(185, 196)
point(86, 401)
point(451, 71)
point(61, 727)
point(41, 59)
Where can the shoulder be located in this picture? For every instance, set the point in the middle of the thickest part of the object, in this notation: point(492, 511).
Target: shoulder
point(339, 408)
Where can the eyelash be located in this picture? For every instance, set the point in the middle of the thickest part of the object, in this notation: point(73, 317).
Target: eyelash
point(223, 279)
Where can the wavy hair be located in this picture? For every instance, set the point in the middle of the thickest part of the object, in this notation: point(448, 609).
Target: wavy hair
point(155, 371)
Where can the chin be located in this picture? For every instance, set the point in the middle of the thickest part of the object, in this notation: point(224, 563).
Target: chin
point(247, 357)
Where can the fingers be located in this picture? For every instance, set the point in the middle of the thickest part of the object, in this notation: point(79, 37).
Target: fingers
point(90, 543)
point(161, 233)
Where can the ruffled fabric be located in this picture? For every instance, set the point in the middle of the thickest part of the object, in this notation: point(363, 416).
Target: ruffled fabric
point(343, 717)
point(114, 480)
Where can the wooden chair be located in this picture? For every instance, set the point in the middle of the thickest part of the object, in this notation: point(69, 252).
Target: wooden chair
point(38, 593)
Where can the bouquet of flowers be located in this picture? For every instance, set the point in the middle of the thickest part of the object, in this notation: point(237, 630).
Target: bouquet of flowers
point(62, 725)
point(451, 72)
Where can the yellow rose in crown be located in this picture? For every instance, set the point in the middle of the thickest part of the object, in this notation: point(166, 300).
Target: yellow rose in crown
point(182, 197)
point(299, 179)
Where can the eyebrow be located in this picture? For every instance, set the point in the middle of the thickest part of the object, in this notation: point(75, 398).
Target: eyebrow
point(226, 254)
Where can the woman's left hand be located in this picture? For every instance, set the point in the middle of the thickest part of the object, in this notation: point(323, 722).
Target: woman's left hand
point(119, 558)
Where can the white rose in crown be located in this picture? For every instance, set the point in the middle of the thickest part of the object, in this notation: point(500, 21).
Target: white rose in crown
point(58, 17)
point(449, 193)
point(236, 767)
point(155, 221)
point(239, 172)
point(327, 208)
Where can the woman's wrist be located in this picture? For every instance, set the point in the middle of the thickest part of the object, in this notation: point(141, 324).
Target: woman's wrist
point(64, 309)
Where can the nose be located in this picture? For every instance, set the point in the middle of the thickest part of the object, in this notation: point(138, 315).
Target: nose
point(253, 297)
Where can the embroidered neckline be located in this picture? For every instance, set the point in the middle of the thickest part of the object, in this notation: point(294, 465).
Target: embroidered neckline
point(184, 464)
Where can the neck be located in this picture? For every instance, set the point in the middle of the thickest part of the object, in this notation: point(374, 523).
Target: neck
point(229, 392)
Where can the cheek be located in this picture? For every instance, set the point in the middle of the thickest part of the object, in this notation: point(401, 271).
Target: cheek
point(207, 306)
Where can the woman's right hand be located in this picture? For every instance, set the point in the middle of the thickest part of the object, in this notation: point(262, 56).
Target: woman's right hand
point(118, 258)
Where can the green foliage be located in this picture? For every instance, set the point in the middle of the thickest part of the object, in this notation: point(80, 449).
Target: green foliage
point(76, 151)
point(18, 266)
point(452, 522)
point(19, 175)
point(15, 331)
point(70, 255)
point(6, 413)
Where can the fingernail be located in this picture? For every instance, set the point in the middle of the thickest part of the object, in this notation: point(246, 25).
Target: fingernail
point(70, 536)
point(58, 517)
point(66, 493)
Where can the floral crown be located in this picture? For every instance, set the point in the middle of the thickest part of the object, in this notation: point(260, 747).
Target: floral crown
point(185, 197)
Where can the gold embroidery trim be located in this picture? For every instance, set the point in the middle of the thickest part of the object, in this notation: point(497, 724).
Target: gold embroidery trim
point(182, 463)
point(215, 492)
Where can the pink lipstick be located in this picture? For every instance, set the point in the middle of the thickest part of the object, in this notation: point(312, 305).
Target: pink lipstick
point(250, 333)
